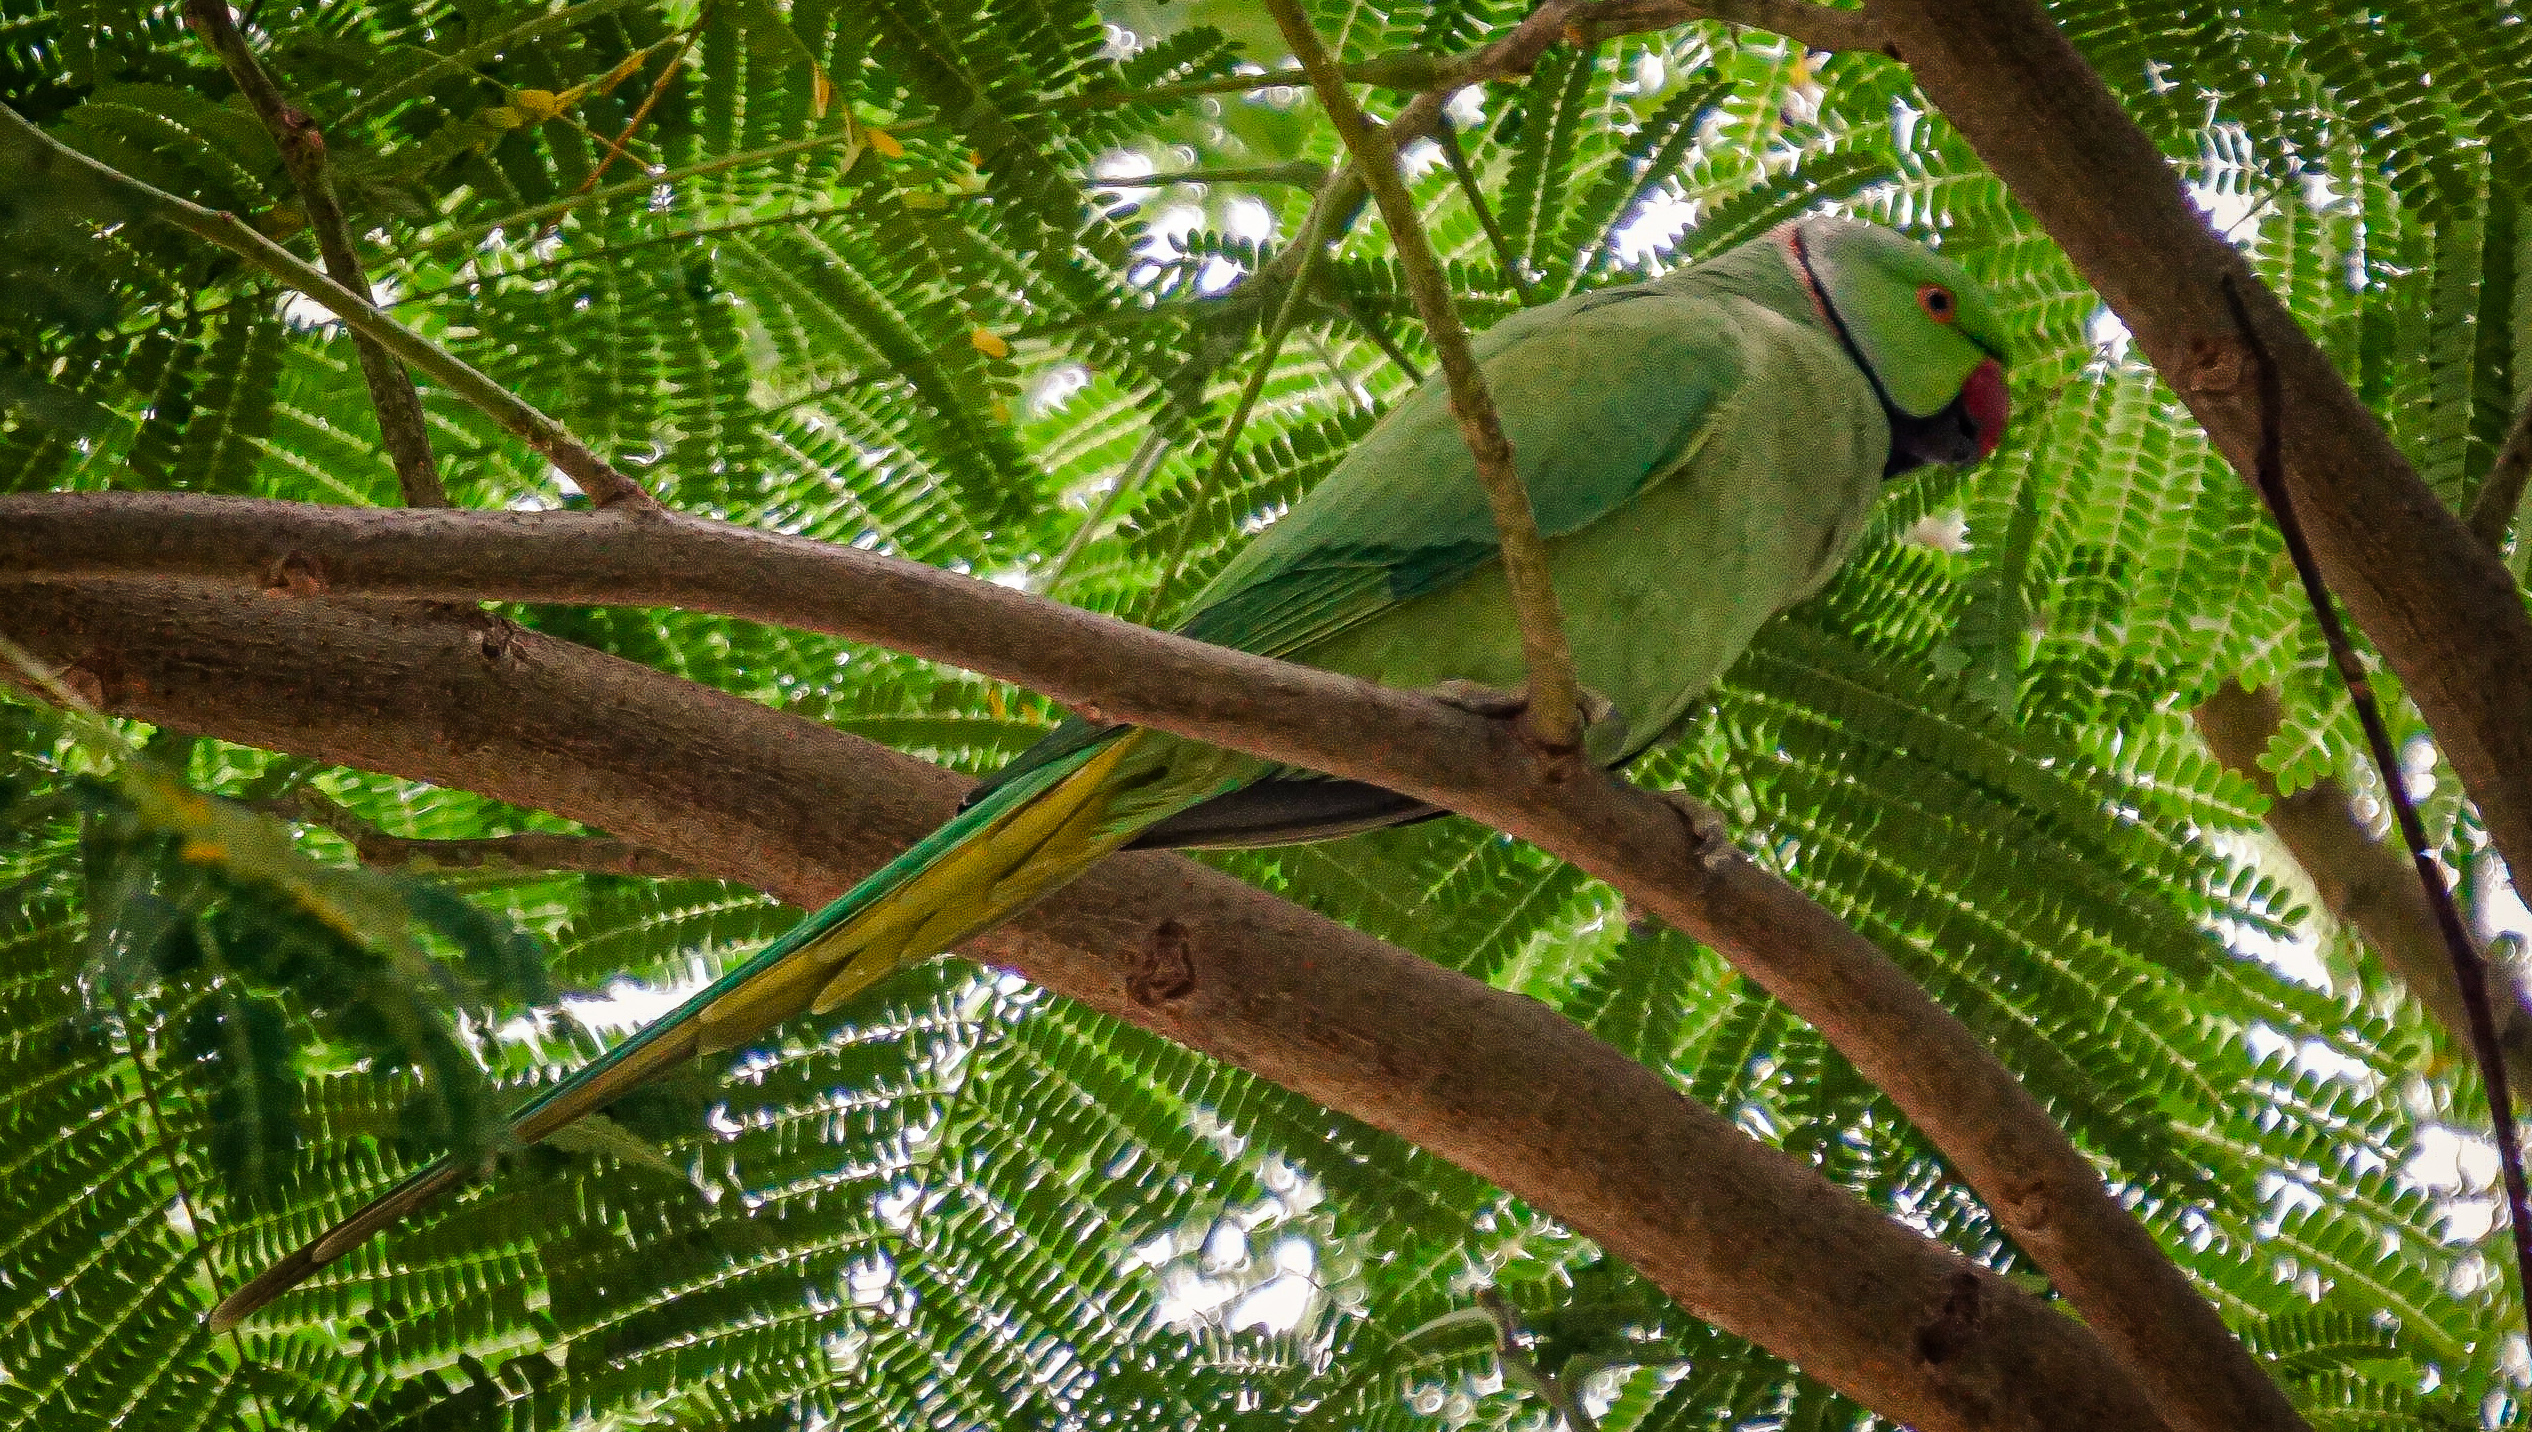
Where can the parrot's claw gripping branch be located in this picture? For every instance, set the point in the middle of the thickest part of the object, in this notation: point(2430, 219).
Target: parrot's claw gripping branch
point(1497, 703)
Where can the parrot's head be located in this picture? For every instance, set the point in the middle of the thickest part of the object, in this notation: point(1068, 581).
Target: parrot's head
point(1921, 329)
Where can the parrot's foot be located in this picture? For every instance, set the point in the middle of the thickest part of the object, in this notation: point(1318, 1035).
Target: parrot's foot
point(1479, 699)
point(1709, 838)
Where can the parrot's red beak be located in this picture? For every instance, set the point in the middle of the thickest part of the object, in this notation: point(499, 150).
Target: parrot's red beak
point(1983, 399)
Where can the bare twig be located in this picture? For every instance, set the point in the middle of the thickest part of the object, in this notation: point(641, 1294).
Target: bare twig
point(2492, 510)
point(1520, 1367)
point(2470, 971)
point(1446, 134)
point(302, 144)
point(1299, 173)
point(642, 111)
point(38, 152)
point(526, 850)
point(1555, 704)
point(1746, 1237)
point(2361, 881)
point(2043, 1191)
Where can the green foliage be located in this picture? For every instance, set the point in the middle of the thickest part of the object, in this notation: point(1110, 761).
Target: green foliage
point(866, 273)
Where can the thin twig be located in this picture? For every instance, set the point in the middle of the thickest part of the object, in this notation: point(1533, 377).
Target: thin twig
point(1555, 706)
point(641, 112)
point(400, 423)
point(163, 1138)
point(1519, 1366)
point(1147, 456)
point(2492, 511)
point(550, 439)
point(2469, 969)
point(1352, 312)
point(1446, 134)
point(531, 850)
point(1300, 173)
point(1277, 327)
point(2364, 883)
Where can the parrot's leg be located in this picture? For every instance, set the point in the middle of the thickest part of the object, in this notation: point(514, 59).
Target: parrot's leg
point(1709, 837)
point(1479, 699)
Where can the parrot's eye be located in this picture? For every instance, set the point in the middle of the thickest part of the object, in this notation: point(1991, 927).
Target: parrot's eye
point(1937, 302)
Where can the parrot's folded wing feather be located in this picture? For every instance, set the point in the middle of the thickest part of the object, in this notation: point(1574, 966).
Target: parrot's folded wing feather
point(1600, 397)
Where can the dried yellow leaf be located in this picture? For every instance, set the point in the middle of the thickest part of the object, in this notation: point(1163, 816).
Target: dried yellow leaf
point(886, 144)
point(989, 343)
point(631, 66)
point(540, 105)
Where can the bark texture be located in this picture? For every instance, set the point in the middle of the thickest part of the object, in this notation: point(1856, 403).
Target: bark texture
point(1743, 1236)
point(2050, 1198)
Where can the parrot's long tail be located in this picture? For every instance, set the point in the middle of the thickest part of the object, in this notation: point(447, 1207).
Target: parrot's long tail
point(1023, 840)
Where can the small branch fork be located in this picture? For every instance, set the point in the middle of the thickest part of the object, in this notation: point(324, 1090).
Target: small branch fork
point(302, 146)
point(529, 850)
point(23, 143)
point(2469, 969)
point(1555, 702)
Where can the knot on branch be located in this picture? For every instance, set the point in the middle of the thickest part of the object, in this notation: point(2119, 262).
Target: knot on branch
point(294, 574)
point(496, 637)
point(1165, 970)
point(2217, 365)
point(1954, 1325)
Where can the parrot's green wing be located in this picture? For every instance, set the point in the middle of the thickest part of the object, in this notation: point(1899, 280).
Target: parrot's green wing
point(1601, 396)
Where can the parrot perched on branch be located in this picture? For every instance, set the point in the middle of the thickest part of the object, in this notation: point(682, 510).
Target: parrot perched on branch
point(1700, 451)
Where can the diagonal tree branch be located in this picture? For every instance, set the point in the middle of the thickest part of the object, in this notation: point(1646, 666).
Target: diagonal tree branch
point(302, 146)
point(41, 157)
point(2501, 492)
point(2361, 881)
point(525, 850)
point(1555, 704)
point(1743, 1236)
point(2435, 601)
point(2040, 1187)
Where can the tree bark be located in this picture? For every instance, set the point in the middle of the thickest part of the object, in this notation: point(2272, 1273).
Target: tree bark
point(2435, 601)
point(2041, 1188)
point(1742, 1235)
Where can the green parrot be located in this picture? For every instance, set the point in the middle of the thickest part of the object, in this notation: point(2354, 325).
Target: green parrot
point(1700, 450)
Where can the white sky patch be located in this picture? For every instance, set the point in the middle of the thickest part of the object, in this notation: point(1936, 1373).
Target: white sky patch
point(1283, 1300)
point(1246, 218)
point(1123, 164)
point(2108, 335)
point(1656, 224)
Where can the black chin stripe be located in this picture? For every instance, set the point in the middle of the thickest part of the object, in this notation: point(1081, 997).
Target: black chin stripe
point(1837, 324)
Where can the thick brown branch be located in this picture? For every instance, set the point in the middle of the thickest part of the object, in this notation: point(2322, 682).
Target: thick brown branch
point(2434, 599)
point(37, 154)
point(302, 145)
point(2042, 1190)
point(2360, 880)
point(1814, 27)
point(1743, 1236)
point(2492, 511)
point(1555, 706)
point(525, 850)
